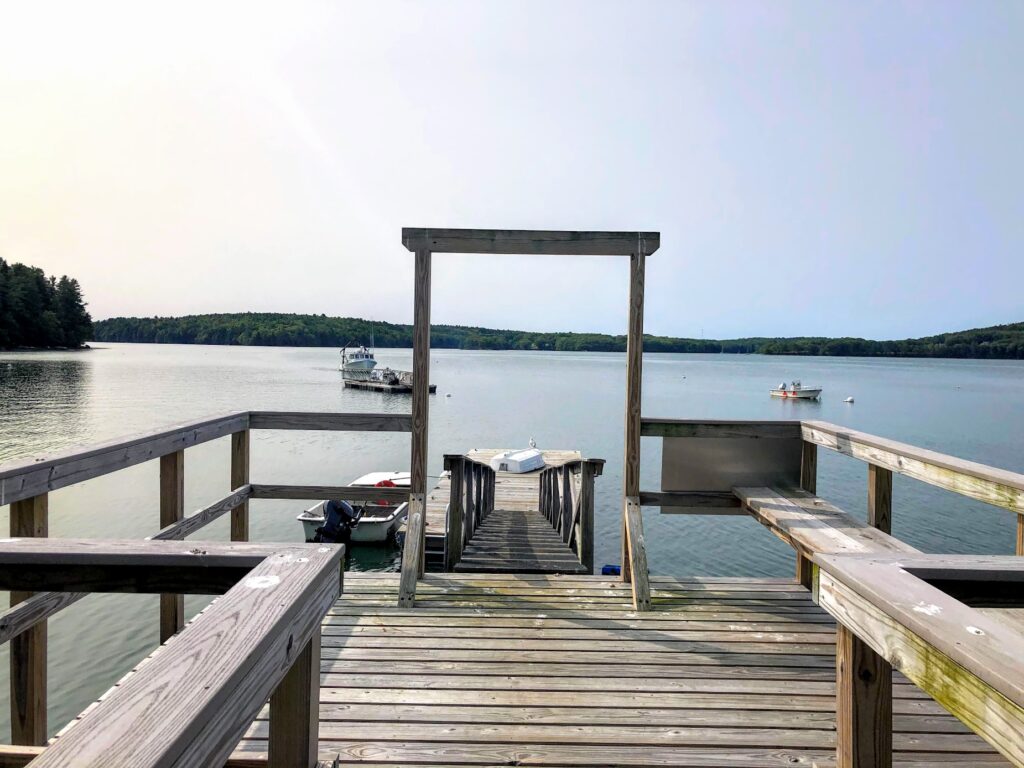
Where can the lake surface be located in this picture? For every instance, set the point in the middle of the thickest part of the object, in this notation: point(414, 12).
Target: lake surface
point(54, 401)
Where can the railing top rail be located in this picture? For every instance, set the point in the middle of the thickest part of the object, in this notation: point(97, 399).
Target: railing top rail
point(25, 478)
point(524, 241)
point(999, 487)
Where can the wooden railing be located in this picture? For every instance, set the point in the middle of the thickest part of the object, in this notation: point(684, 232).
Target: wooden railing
point(191, 701)
point(567, 501)
point(25, 486)
point(471, 500)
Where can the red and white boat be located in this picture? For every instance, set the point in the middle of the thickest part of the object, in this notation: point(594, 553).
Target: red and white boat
point(796, 391)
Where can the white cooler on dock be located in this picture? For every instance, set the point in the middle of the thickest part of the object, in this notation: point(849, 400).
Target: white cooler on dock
point(518, 461)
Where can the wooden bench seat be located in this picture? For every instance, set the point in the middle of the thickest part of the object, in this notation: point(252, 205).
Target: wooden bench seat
point(812, 525)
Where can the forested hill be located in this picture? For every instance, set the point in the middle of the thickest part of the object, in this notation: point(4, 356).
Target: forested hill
point(1001, 341)
point(37, 311)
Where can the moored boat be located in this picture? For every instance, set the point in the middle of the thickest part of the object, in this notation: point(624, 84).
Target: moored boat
point(376, 521)
point(357, 364)
point(796, 391)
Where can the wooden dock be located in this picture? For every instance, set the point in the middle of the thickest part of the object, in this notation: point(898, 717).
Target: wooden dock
point(512, 493)
point(383, 386)
point(491, 670)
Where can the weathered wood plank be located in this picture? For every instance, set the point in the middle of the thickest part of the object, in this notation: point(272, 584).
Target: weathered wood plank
point(519, 241)
point(172, 510)
point(189, 525)
point(656, 427)
point(634, 382)
point(295, 711)
point(346, 492)
point(25, 479)
point(412, 553)
point(334, 422)
point(998, 487)
point(880, 498)
point(808, 483)
point(240, 442)
point(863, 704)
point(637, 551)
point(692, 502)
point(29, 518)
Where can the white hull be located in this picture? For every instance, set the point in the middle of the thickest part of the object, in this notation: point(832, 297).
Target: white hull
point(378, 522)
point(797, 394)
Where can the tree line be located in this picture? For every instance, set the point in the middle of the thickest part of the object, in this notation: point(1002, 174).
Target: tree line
point(37, 311)
point(289, 330)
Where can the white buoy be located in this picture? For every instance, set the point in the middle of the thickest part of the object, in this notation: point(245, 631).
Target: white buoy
point(848, 400)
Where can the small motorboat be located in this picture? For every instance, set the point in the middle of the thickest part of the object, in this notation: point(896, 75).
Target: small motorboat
point(357, 364)
point(796, 391)
point(373, 521)
point(526, 460)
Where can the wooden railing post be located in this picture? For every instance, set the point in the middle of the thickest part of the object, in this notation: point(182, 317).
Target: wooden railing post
point(29, 518)
point(565, 523)
point(809, 483)
point(1020, 534)
point(863, 704)
point(172, 510)
point(455, 535)
point(585, 537)
point(638, 555)
point(295, 712)
point(470, 504)
point(240, 477)
point(634, 378)
point(880, 498)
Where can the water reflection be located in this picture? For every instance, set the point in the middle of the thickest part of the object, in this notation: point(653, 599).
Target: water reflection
point(41, 404)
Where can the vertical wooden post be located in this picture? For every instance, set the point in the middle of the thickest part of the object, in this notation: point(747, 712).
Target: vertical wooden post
point(172, 509)
point(470, 504)
point(585, 541)
point(638, 555)
point(456, 523)
point(295, 712)
point(809, 483)
point(565, 524)
point(29, 518)
point(239, 477)
point(863, 704)
point(634, 378)
point(880, 498)
point(1020, 535)
point(413, 557)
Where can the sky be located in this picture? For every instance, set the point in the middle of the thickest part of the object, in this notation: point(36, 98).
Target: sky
point(836, 168)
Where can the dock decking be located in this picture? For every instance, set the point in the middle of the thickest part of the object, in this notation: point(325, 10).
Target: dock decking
point(499, 670)
point(512, 493)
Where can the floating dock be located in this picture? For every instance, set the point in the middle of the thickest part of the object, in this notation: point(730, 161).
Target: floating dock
point(382, 386)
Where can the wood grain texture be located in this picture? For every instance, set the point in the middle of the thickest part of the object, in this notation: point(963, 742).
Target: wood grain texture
point(880, 498)
point(334, 422)
point(29, 518)
point(998, 487)
point(172, 510)
point(863, 704)
point(420, 393)
point(455, 532)
point(634, 381)
point(637, 555)
point(295, 711)
point(520, 241)
point(240, 442)
point(189, 525)
point(809, 467)
point(190, 703)
point(412, 552)
point(24, 479)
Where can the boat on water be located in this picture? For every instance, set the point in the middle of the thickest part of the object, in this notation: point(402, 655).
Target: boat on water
point(796, 391)
point(526, 460)
point(357, 364)
point(371, 521)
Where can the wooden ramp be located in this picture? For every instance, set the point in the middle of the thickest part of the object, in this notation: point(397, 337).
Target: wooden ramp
point(500, 670)
point(511, 541)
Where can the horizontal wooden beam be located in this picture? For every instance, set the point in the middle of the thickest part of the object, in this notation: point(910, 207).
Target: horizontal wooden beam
point(692, 502)
point(189, 525)
point(345, 492)
point(33, 610)
point(334, 422)
point(24, 479)
point(191, 703)
point(782, 430)
point(527, 241)
point(998, 487)
point(93, 565)
point(16, 756)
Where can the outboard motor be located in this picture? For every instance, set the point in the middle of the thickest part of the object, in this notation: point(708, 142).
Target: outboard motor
point(339, 520)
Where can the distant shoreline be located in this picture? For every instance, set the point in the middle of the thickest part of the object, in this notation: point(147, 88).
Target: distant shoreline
point(1001, 342)
point(83, 348)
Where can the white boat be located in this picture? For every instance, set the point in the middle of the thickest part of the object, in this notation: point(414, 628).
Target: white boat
point(357, 364)
point(796, 391)
point(379, 519)
point(526, 460)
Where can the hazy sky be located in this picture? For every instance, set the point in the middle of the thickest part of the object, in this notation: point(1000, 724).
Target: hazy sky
point(813, 167)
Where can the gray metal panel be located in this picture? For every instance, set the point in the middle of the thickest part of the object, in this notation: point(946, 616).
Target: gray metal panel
point(724, 463)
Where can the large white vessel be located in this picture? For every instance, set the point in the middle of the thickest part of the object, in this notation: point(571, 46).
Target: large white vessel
point(357, 364)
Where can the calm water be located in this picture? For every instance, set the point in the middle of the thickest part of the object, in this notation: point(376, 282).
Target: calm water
point(53, 401)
